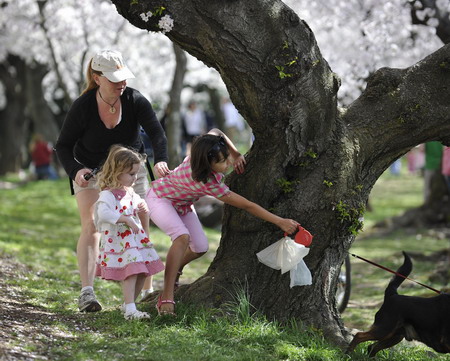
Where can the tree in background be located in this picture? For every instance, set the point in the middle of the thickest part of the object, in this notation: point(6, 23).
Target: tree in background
point(59, 36)
point(311, 160)
point(359, 37)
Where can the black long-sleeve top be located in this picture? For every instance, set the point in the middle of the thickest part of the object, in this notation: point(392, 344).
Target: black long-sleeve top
point(84, 140)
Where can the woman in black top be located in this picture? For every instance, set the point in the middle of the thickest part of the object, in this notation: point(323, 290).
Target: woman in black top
point(106, 113)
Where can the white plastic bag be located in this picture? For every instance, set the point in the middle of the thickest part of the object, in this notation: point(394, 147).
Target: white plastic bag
point(300, 275)
point(286, 255)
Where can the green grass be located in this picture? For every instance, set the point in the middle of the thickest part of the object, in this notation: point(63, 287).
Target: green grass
point(40, 228)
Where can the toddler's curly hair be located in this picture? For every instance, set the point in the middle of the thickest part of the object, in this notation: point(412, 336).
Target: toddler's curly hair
point(120, 160)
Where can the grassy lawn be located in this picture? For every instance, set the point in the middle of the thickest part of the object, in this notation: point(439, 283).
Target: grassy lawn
point(40, 228)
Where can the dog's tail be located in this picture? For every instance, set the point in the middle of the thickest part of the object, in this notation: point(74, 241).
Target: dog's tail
point(396, 281)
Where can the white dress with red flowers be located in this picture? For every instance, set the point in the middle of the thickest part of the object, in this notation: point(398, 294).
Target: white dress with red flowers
point(122, 253)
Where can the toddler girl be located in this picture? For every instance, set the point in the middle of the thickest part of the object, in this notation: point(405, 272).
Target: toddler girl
point(171, 198)
point(126, 253)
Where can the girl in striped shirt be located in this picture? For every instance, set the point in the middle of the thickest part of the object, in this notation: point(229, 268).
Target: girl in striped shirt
point(170, 202)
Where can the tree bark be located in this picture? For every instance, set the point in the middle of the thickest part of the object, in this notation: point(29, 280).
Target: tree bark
point(310, 160)
point(26, 112)
point(173, 110)
point(13, 120)
point(37, 108)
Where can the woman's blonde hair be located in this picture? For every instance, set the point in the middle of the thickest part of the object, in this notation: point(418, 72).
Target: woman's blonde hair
point(120, 160)
point(90, 81)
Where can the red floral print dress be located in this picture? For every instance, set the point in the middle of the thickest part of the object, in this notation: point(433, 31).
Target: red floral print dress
point(122, 253)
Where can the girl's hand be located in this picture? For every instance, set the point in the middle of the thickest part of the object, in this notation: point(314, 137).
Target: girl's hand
point(161, 169)
point(129, 221)
point(142, 207)
point(288, 225)
point(239, 164)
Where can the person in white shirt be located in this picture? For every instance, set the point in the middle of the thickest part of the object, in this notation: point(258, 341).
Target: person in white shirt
point(234, 123)
point(195, 123)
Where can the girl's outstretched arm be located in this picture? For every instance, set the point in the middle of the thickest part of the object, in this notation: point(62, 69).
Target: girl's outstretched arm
point(238, 159)
point(287, 225)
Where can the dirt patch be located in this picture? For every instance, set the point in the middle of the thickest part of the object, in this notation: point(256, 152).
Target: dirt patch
point(27, 332)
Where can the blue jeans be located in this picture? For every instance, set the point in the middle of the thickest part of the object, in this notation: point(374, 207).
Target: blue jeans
point(46, 172)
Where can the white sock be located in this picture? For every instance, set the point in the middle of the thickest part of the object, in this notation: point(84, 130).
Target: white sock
point(130, 307)
point(87, 288)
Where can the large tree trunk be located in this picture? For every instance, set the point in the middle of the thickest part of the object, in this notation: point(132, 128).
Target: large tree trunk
point(173, 111)
point(26, 111)
point(435, 210)
point(13, 120)
point(309, 161)
point(214, 102)
point(37, 108)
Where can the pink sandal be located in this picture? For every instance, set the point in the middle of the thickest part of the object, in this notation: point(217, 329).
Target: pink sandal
point(164, 302)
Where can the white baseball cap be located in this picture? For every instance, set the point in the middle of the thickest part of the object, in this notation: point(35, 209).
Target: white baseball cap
point(111, 64)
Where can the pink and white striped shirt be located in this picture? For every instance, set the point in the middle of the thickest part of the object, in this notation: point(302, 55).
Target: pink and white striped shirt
point(183, 191)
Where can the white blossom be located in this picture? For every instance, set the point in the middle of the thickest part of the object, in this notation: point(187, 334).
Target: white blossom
point(166, 24)
point(146, 16)
point(442, 5)
point(433, 22)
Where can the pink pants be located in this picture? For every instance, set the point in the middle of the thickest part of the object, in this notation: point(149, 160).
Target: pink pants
point(168, 220)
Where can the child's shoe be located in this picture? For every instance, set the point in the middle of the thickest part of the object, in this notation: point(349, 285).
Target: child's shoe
point(136, 315)
point(145, 293)
point(164, 302)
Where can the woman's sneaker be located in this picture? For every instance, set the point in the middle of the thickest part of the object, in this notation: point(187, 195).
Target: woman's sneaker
point(136, 315)
point(88, 303)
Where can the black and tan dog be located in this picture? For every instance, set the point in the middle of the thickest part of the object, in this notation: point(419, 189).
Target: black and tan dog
point(414, 318)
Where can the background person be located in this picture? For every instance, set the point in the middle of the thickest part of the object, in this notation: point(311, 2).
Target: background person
point(234, 123)
point(107, 112)
point(432, 167)
point(194, 122)
point(42, 156)
point(446, 166)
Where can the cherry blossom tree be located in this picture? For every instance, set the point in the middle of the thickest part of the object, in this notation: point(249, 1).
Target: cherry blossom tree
point(358, 37)
point(60, 36)
point(311, 160)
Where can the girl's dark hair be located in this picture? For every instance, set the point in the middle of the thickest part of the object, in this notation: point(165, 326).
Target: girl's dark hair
point(206, 149)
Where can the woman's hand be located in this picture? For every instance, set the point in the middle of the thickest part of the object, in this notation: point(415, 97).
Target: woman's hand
point(239, 164)
point(161, 169)
point(288, 225)
point(79, 178)
point(142, 207)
